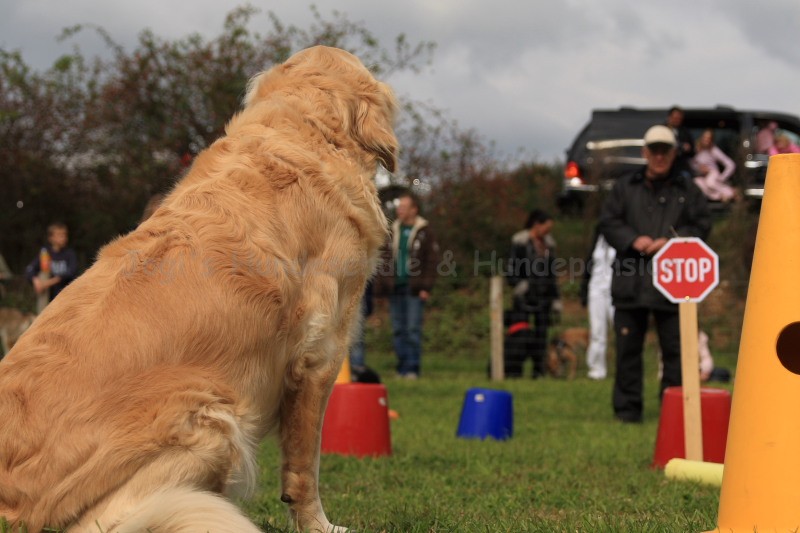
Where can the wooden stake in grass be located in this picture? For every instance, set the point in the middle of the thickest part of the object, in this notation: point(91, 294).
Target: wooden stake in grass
point(43, 298)
point(496, 327)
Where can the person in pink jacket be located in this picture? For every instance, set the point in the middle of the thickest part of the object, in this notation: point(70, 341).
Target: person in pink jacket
point(783, 145)
point(706, 166)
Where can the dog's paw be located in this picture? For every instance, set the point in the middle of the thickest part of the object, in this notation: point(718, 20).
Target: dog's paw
point(329, 528)
point(318, 524)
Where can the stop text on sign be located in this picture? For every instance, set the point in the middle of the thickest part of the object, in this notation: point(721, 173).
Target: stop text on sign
point(685, 269)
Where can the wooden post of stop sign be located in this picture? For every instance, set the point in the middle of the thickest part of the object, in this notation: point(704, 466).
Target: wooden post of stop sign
point(690, 378)
point(687, 286)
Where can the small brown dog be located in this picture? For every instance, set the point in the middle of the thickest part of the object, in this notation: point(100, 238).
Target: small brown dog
point(137, 399)
point(13, 323)
point(562, 360)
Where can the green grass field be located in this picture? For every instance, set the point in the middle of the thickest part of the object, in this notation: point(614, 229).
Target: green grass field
point(569, 466)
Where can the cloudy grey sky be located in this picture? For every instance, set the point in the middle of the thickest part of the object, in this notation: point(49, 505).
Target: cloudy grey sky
point(524, 73)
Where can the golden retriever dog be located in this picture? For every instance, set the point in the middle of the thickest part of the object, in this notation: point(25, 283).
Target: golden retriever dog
point(137, 399)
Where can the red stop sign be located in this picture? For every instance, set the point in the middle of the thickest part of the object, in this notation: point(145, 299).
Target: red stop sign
point(685, 270)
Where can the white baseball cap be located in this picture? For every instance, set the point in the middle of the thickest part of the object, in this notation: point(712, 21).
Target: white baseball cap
point(659, 135)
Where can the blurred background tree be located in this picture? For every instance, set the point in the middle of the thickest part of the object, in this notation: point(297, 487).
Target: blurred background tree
point(90, 140)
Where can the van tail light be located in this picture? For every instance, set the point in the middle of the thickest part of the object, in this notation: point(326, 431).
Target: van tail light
point(572, 173)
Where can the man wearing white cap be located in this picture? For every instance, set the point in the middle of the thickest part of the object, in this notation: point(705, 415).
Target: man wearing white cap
point(642, 212)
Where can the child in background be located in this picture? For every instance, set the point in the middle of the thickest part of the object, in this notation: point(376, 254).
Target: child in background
point(708, 372)
point(55, 259)
point(711, 180)
point(783, 145)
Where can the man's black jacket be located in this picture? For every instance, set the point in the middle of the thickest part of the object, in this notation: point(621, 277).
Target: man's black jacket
point(671, 207)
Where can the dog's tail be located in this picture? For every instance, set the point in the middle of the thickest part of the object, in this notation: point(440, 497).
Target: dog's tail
point(184, 510)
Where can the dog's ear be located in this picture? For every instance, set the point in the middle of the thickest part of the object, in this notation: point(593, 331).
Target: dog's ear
point(372, 123)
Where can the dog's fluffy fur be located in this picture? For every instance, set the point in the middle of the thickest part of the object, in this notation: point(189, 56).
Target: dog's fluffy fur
point(137, 399)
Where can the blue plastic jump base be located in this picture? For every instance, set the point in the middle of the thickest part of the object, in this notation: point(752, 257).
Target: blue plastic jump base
point(486, 413)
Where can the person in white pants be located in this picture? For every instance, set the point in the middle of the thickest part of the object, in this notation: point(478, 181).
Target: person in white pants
point(601, 310)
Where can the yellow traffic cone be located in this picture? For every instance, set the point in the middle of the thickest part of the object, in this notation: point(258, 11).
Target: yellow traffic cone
point(762, 462)
point(344, 372)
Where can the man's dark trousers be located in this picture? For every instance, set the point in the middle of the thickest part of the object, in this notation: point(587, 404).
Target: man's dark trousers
point(630, 327)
